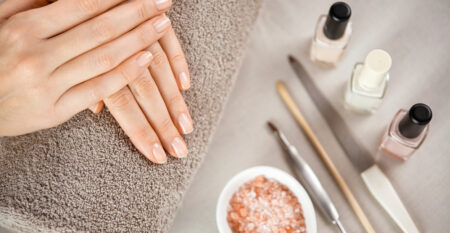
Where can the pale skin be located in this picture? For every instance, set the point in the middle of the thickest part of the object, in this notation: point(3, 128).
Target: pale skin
point(57, 60)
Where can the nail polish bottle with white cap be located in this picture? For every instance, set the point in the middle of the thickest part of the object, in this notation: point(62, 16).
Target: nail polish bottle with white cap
point(368, 83)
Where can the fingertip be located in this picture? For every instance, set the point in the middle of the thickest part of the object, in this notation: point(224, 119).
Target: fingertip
point(144, 58)
point(179, 148)
point(158, 154)
point(185, 123)
point(185, 81)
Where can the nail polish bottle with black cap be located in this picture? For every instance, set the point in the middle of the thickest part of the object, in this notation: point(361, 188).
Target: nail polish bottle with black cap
point(332, 35)
point(407, 132)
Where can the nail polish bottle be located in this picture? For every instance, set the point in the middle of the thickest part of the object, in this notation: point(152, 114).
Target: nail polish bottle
point(368, 82)
point(407, 132)
point(332, 35)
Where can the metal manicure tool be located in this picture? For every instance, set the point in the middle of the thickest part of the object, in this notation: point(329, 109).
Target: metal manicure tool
point(309, 179)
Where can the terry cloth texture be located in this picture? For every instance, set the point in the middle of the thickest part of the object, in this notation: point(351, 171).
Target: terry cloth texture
point(86, 176)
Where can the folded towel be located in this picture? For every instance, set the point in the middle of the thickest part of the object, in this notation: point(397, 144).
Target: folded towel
point(85, 175)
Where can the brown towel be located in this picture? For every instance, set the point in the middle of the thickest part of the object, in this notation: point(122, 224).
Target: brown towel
point(85, 175)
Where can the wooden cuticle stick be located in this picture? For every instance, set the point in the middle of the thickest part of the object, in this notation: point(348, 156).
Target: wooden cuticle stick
point(295, 111)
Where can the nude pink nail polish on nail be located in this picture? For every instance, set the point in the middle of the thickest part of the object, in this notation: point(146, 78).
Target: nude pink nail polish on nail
point(185, 124)
point(161, 24)
point(162, 4)
point(184, 81)
point(159, 154)
point(179, 147)
point(144, 59)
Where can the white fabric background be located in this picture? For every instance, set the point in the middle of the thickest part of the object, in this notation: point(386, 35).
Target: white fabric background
point(415, 33)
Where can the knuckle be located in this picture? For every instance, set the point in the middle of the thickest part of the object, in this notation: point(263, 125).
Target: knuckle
point(159, 59)
point(13, 33)
point(104, 62)
point(175, 100)
point(95, 94)
point(166, 124)
point(89, 6)
point(21, 17)
point(103, 30)
point(30, 65)
point(146, 34)
point(177, 58)
point(120, 100)
point(144, 9)
point(143, 84)
point(126, 73)
point(141, 133)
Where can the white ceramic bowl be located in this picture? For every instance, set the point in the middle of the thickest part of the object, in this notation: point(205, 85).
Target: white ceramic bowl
point(233, 185)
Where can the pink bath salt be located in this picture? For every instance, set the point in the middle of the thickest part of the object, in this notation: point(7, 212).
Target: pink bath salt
point(265, 206)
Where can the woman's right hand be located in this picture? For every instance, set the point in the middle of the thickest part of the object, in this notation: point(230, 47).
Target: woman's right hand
point(60, 59)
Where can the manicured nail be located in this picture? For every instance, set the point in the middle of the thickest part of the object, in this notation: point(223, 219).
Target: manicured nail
point(179, 147)
point(185, 124)
point(161, 24)
point(144, 59)
point(184, 81)
point(96, 108)
point(159, 154)
point(162, 4)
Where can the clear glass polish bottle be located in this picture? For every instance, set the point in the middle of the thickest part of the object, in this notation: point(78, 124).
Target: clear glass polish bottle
point(407, 132)
point(333, 32)
point(368, 83)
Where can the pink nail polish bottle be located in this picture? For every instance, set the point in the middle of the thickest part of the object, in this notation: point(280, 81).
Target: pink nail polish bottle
point(407, 132)
point(332, 35)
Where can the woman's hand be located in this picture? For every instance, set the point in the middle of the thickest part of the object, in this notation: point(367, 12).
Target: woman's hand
point(151, 109)
point(59, 59)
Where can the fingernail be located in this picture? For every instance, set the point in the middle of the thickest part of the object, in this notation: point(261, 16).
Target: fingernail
point(185, 124)
point(159, 154)
point(161, 24)
point(184, 81)
point(179, 147)
point(144, 59)
point(94, 108)
point(97, 108)
point(162, 4)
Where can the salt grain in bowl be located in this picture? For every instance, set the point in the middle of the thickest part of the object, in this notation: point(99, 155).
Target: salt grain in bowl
point(265, 206)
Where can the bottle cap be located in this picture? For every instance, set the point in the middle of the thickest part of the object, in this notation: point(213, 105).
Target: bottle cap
point(415, 121)
point(376, 66)
point(337, 20)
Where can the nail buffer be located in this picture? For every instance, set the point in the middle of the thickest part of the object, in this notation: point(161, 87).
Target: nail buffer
point(376, 181)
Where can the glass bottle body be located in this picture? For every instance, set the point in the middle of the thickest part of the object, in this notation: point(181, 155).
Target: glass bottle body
point(360, 98)
point(327, 51)
point(393, 143)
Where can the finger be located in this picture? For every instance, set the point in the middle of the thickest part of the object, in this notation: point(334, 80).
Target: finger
point(107, 27)
point(97, 108)
point(86, 94)
point(127, 113)
point(107, 57)
point(163, 76)
point(147, 95)
point(9, 8)
point(65, 14)
point(169, 42)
